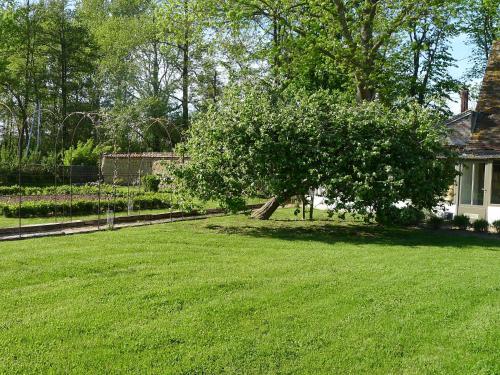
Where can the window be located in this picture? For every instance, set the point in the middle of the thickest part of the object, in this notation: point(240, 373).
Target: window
point(495, 184)
point(472, 184)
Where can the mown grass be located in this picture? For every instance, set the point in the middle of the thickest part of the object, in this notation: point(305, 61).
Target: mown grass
point(232, 295)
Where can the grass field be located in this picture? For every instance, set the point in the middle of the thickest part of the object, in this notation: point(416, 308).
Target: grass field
point(232, 295)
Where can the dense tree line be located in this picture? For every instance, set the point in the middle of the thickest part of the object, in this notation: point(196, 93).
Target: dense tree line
point(135, 73)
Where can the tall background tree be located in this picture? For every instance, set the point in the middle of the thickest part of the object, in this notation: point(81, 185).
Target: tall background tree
point(481, 25)
point(147, 69)
point(23, 63)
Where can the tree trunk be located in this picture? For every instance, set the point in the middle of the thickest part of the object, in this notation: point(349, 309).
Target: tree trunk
point(311, 207)
point(185, 85)
point(155, 80)
point(22, 129)
point(364, 93)
point(266, 211)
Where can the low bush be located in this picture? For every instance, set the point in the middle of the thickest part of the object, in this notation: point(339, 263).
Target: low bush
point(32, 174)
point(84, 207)
point(10, 190)
point(461, 222)
point(120, 191)
point(435, 222)
point(496, 225)
point(481, 226)
point(406, 216)
point(151, 183)
point(411, 216)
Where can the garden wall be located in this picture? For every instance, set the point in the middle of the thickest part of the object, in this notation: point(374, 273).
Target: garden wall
point(130, 168)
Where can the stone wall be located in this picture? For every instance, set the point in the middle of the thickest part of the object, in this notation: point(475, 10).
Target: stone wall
point(129, 170)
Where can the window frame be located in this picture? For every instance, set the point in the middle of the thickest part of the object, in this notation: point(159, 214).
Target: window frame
point(484, 199)
point(493, 162)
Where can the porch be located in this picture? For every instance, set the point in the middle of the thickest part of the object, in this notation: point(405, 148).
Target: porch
point(477, 192)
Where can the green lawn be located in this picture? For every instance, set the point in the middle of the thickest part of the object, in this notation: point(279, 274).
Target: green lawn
point(232, 295)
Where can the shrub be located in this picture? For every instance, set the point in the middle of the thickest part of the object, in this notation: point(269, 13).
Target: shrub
point(461, 221)
point(406, 216)
point(83, 207)
point(496, 225)
point(481, 225)
point(30, 174)
point(411, 216)
point(66, 190)
point(435, 222)
point(388, 216)
point(34, 168)
point(84, 154)
point(151, 183)
point(10, 190)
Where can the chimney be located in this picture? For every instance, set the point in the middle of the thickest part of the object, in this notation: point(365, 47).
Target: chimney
point(464, 100)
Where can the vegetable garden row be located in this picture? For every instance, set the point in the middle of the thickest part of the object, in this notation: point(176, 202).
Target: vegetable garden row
point(78, 206)
point(64, 200)
point(66, 189)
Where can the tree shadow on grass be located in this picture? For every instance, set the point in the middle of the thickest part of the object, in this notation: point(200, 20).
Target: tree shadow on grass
point(360, 234)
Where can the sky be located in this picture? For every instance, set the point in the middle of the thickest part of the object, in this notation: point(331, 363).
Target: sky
point(461, 52)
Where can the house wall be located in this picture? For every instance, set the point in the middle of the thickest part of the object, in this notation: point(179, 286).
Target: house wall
point(493, 214)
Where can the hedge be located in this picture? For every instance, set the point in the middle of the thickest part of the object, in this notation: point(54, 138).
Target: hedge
point(84, 207)
point(65, 190)
point(39, 174)
point(151, 182)
point(405, 216)
point(29, 175)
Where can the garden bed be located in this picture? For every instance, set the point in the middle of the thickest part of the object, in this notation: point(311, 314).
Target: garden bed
point(68, 189)
point(53, 205)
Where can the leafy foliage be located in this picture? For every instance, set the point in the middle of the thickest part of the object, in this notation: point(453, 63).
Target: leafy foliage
point(419, 63)
point(254, 143)
point(66, 189)
point(154, 65)
point(405, 216)
point(84, 206)
point(35, 169)
point(481, 225)
point(496, 225)
point(435, 222)
point(84, 154)
point(482, 26)
point(151, 183)
point(461, 222)
point(366, 155)
point(386, 155)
